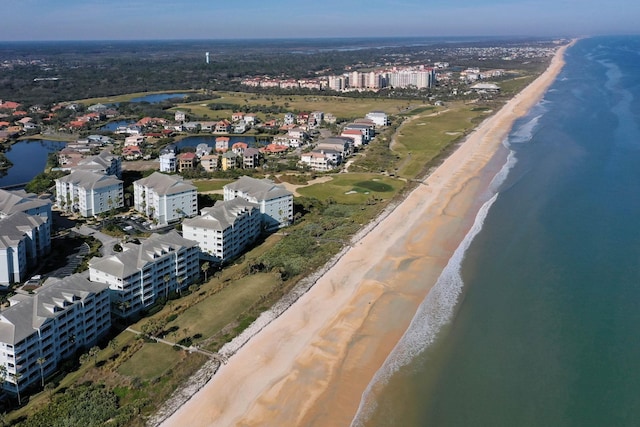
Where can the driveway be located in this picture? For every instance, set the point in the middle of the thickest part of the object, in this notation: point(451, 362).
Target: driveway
point(107, 241)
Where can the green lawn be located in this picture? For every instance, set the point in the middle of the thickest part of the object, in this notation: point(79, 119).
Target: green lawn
point(217, 311)
point(163, 356)
point(354, 188)
point(341, 107)
point(423, 138)
point(204, 185)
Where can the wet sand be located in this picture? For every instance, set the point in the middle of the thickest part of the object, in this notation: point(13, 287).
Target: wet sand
point(310, 366)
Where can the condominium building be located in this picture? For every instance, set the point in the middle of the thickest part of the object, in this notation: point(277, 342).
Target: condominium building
point(275, 201)
point(165, 198)
point(144, 272)
point(40, 329)
point(224, 230)
point(24, 241)
point(21, 201)
point(89, 193)
point(104, 163)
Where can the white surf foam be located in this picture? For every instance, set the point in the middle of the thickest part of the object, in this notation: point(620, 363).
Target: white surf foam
point(524, 133)
point(436, 311)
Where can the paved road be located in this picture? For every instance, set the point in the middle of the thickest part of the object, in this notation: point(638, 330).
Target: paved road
point(107, 241)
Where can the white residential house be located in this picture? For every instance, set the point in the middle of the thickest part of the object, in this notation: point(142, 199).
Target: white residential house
point(89, 193)
point(251, 158)
point(51, 324)
point(380, 118)
point(297, 133)
point(224, 230)
point(289, 118)
point(343, 145)
point(250, 119)
point(276, 202)
point(24, 241)
point(355, 135)
point(210, 162)
point(180, 116)
point(321, 160)
point(168, 162)
point(144, 272)
point(317, 161)
point(165, 198)
point(368, 131)
point(203, 149)
point(134, 140)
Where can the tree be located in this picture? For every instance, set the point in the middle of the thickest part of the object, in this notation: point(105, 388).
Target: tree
point(113, 344)
point(93, 352)
point(205, 268)
point(3, 374)
point(167, 279)
point(84, 358)
point(180, 280)
point(41, 361)
point(16, 378)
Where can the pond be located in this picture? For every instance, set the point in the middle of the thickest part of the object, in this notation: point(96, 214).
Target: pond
point(114, 125)
point(29, 157)
point(158, 97)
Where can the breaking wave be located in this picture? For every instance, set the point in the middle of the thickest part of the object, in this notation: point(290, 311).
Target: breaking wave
point(436, 311)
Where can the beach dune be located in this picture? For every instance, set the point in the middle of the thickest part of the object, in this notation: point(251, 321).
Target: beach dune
point(310, 366)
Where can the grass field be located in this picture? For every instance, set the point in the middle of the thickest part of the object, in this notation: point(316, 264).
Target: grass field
point(204, 185)
point(210, 316)
point(425, 136)
point(164, 358)
point(354, 188)
point(341, 107)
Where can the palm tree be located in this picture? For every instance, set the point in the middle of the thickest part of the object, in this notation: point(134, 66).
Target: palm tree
point(166, 278)
point(181, 280)
point(41, 361)
point(16, 377)
point(205, 268)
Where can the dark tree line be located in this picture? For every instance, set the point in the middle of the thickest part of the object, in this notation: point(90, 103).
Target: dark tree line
point(97, 69)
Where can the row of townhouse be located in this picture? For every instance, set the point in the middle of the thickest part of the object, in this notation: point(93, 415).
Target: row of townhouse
point(329, 153)
point(40, 329)
point(25, 234)
point(240, 156)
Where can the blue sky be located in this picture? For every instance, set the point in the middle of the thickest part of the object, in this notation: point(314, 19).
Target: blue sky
point(229, 19)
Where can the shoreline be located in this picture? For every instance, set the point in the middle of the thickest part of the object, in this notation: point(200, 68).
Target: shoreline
point(311, 365)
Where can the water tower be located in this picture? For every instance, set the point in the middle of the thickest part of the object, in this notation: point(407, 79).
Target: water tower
point(206, 55)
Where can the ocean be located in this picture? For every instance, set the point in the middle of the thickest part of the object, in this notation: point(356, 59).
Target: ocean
point(535, 321)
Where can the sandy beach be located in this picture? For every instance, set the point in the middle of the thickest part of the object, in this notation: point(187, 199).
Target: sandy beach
point(310, 366)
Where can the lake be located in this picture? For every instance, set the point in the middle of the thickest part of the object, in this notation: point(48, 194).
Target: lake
point(29, 158)
point(112, 126)
point(157, 97)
